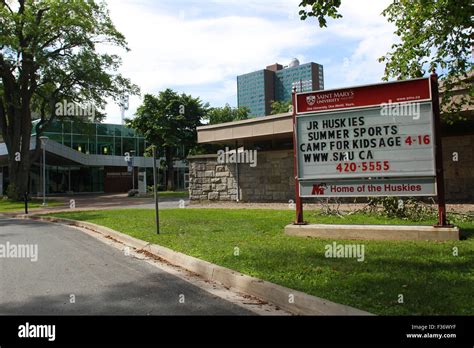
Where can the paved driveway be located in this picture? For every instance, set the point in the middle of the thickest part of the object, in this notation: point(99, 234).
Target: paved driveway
point(76, 274)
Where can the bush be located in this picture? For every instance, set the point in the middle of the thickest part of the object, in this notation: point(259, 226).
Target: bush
point(408, 208)
point(392, 207)
point(158, 188)
point(132, 193)
point(11, 192)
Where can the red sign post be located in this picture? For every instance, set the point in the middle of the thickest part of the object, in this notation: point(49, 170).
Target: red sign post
point(298, 201)
point(442, 221)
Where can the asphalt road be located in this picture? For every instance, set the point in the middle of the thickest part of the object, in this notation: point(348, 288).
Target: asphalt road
point(76, 274)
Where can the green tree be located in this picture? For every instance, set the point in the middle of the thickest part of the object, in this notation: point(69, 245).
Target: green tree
point(47, 55)
point(435, 35)
point(320, 9)
point(227, 114)
point(280, 107)
point(169, 121)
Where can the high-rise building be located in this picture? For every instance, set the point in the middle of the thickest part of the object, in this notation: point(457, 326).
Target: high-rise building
point(257, 90)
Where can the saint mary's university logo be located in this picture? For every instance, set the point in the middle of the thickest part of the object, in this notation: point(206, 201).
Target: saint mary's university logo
point(311, 99)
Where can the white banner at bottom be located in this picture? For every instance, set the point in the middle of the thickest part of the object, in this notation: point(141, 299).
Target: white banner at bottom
point(368, 187)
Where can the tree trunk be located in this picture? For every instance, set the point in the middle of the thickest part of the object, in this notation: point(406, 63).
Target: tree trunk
point(15, 123)
point(18, 175)
point(17, 136)
point(19, 161)
point(169, 170)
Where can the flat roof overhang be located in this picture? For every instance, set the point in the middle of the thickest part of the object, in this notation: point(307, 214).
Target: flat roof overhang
point(51, 160)
point(274, 127)
point(256, 129)
point(58, 154)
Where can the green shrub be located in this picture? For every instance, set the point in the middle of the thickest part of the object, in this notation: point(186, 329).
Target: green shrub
point(11, 192)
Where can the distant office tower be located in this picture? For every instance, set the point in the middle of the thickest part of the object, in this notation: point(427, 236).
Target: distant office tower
point(257, 90)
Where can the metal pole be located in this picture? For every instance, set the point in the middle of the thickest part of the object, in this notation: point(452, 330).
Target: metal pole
point(26, 202)
point(237, 171)
point(298, 201)
point(155, 191)
point(44, 140)
point(40, 174)
point(442, 221)
point(132, 152)
point(44, 175)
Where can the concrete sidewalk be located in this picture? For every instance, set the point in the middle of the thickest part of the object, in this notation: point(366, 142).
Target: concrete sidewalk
point(122, 201)
point(346, 207)
point(105, 201)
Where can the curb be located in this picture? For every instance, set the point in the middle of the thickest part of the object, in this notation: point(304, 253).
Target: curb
point(301, 304)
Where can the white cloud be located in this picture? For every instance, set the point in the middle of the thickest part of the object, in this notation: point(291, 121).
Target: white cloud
point(363, 24)
point(176, 49)
point(200, 47)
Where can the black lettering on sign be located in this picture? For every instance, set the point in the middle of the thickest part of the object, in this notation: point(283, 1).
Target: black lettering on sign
point(316, 157)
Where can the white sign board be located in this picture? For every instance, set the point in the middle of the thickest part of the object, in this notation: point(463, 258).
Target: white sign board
point(366, 142)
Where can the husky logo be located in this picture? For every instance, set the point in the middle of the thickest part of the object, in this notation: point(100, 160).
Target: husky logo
point(311, 99)
point(319, 189)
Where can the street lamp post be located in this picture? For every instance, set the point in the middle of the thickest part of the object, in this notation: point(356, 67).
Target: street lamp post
point(44, 140)
point(123, 103)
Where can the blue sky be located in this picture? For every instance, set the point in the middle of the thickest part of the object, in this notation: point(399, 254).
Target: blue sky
point(199, 46)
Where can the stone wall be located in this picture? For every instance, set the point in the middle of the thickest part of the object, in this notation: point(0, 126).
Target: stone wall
point(272, 178)
point(459, 175)
point(209, 180)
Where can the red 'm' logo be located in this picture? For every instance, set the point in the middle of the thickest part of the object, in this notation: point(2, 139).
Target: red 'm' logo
point(318, 189)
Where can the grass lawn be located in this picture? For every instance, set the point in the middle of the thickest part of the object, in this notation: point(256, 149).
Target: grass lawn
point(431, 279)
point(7, 205)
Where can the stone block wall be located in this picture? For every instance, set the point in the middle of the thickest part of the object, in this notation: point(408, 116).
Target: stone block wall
point(270, 180)
point(209, 180)
point(459, 175)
